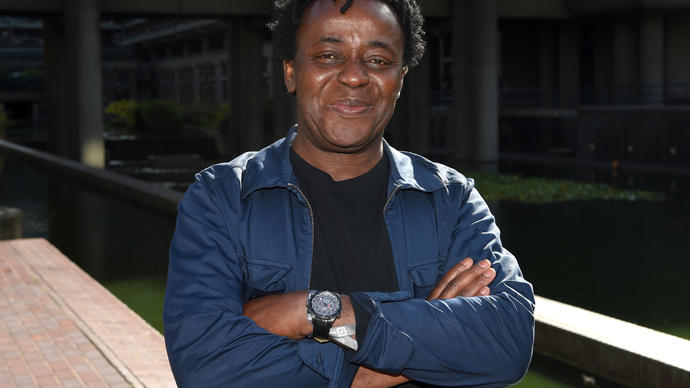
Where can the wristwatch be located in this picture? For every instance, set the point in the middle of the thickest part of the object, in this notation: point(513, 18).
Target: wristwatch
point(323, 307)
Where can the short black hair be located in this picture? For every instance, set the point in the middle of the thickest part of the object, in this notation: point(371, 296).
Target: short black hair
point(288, 16)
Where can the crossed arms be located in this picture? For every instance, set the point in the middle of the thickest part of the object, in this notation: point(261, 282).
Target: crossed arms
point(285, 314)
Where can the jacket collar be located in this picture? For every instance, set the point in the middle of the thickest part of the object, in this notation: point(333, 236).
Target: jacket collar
point(271, 167)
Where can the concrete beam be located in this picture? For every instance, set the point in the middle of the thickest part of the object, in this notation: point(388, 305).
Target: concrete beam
point(631, 355)
point(35, 6)
point(135, 190)
point(533, 9)
point(431, 8)
point(579, 7)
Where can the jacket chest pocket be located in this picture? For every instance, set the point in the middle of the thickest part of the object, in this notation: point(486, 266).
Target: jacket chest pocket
point(424, 275)
point(264, 277)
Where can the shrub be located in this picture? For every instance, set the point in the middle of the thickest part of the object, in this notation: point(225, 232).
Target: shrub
point(221, 119)
point(120, 115)
point(198, 116)
point(158, 117)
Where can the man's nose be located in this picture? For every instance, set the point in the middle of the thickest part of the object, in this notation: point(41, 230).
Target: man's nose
point(353, 74)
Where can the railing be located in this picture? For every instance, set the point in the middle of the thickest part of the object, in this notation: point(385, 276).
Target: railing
point(628, 354)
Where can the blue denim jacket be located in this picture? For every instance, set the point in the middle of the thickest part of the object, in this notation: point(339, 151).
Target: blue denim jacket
point(244, 230)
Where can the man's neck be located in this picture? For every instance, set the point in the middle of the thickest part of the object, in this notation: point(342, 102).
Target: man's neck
point(340, 166)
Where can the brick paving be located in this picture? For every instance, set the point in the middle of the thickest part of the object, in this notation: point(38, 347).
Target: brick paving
point(61, 328)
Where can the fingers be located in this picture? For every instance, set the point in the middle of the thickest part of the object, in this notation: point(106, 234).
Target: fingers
point(479, 284)
point(457, 269)
point(470, 281)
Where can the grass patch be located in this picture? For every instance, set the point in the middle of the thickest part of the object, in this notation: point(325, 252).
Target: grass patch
point(494, 186)
point(534, 379)
point(682, 331)
point(144, 296)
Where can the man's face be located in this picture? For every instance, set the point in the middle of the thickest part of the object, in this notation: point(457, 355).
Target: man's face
point(347, 74)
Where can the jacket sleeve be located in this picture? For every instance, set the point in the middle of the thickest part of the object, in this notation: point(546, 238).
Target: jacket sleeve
point(208, 340)
point(478, 341)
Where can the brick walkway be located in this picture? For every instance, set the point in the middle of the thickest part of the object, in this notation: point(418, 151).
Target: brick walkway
point(61, 328)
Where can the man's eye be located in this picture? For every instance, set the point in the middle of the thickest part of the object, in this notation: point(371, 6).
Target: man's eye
point(326, 58)
point(378, 63)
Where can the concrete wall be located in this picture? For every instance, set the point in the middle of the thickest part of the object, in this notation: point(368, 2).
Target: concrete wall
point(678, 58)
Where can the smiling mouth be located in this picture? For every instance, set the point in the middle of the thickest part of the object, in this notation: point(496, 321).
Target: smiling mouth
point(350, 107)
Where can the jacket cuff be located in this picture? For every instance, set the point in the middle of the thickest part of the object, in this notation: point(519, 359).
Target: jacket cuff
point(325, 359)
point(386, 348)
point(362, 318)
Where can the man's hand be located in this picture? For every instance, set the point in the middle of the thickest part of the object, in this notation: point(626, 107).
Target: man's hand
point(465, 279)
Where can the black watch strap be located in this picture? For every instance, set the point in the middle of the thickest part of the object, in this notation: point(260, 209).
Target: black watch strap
point(321, 329)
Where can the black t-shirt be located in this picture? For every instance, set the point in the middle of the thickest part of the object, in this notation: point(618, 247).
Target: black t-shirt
point(352, 251)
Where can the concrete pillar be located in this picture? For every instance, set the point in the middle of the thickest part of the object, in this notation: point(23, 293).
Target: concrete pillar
point(548, 58)
point(601, 93)
point(177, 83)
point(652, 59)
point(475, 83)
point(246, 84)
point(196, 82)
point(625, 60)
point(218, 83)
point(548, 73)
point(60, 140)
point(569, 64)
point(417, 90)
point(84, 81)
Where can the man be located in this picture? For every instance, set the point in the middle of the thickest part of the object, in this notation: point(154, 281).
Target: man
point(408, 249)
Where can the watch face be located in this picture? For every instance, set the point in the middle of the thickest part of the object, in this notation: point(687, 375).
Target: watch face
point(325, 304)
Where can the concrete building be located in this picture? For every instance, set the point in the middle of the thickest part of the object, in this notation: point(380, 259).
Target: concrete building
point(577, 80)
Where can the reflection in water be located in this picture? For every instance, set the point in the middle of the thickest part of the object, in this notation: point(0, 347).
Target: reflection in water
point(623, 259)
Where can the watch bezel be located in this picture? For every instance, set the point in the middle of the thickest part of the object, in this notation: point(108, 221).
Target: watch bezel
point(321, 317)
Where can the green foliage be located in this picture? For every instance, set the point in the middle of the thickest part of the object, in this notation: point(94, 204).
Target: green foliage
point(158, 117)
point(494, 186)
point(198, 116)
point(144, 296)
point(120, 115)
point(222, 118)
point(165, 117)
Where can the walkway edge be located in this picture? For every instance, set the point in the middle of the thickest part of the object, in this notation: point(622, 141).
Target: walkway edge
point(138, 355)
point(135, 190)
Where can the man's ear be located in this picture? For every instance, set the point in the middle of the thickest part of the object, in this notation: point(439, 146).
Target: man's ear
point(289, 75)
point(403, 73)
